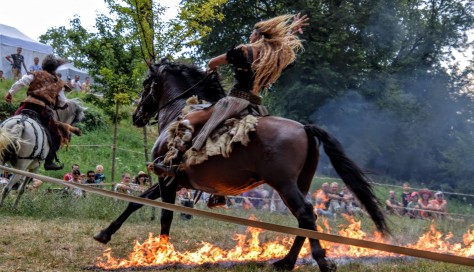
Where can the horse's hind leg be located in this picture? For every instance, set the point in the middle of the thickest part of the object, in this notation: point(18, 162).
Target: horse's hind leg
point(303, 211)
point(105, 235)
point(6, 190)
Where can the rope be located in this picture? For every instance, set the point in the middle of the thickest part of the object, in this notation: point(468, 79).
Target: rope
point(256, 224)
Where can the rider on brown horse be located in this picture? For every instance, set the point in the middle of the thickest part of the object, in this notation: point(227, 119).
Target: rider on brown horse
point(45, 93)
point(272, 48)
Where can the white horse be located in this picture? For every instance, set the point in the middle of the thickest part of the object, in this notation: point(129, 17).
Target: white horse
point(24, 143)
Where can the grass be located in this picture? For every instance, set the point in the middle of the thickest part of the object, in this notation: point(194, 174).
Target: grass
point(49, 232)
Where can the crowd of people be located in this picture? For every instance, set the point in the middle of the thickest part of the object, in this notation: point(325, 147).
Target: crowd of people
point(128, 184)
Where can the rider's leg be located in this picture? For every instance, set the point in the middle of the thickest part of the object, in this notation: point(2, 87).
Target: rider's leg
point(54, 147)
point(181, 141)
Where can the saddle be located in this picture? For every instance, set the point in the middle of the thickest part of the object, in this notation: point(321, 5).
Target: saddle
point(221, 140)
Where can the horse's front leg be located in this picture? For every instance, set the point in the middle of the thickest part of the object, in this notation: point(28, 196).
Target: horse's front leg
point(6, 190)
point(105, 235)
point(168, 195)
point(24, 181)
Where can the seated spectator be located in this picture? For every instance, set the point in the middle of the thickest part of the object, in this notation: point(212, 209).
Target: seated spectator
point(439, 205)
point(68, 175)
point(257, 198)
point(76, 178)
point(99, 174)
point(90, 177)
point(393, 206)
point(141, 179)
point(34, 185)
point(124, 186)
point(424, 201)
point(321, 197)
point(351, 205)
point(335, 199)
point(413, 206)
point(405, 196)
point(185, 198)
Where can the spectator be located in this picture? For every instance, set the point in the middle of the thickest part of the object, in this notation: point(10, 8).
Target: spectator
point(405, 196)
point(185, 198)
point(90, 177)
point(392, 205)
point(16, 61)
point(351, 206)
point(86, 86)
point(141, 179)
point(335, 199)
point(2, 78)
point(34, 185)
point(68, 175)
point(257, 198)
point(99, 174)
point(439, 205)
point(124, 185)
point(35, 66)
point(413, 206)
point(424, 201)
point(76, 83)
point(76, 178)
point(5, 177)
point(322, 201)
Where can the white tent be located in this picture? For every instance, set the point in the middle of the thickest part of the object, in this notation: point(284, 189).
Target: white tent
point(69, 71)
point(10, 39)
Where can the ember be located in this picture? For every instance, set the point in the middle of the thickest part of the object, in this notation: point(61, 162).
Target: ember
point(158, 251)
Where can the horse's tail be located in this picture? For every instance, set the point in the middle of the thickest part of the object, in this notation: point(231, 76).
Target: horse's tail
point(10, 141)
point(352, 175)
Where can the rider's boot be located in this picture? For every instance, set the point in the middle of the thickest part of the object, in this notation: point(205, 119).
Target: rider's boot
point(49, 162)
point(178, 143)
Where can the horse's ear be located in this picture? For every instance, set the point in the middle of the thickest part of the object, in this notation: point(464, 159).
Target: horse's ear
point(165, 61)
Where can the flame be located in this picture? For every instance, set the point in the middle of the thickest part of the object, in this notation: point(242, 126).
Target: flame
point(156, 251)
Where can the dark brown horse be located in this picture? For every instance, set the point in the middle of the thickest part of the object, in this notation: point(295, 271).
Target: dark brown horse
point(282, 153)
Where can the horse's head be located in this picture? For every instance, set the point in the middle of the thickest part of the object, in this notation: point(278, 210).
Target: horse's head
point(147, 105)
point(169, 85)
point(73, 114)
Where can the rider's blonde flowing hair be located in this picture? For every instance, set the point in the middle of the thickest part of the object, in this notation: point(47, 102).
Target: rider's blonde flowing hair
point(277, 47)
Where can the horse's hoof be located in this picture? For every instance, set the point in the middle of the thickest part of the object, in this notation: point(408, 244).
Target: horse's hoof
point(102, 237)
point(327, 265)
point(283, 265)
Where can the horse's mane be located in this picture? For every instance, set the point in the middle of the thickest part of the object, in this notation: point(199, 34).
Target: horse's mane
point(206, 87)
point(76, 107)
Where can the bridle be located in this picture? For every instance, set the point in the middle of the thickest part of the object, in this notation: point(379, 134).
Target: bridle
point(171, 100)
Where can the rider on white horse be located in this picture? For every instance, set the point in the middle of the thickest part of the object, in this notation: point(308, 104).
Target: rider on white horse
point(45, 93)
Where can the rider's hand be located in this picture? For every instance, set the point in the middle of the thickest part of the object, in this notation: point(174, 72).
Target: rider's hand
point(300, 22)
point(8, 97)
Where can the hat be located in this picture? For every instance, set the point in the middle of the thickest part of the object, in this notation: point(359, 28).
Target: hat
point(141, 173)
point(414, 194)
point(438, 193)
point(425, 191)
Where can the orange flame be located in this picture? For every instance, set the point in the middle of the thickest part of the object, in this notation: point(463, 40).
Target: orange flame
point(157, 251)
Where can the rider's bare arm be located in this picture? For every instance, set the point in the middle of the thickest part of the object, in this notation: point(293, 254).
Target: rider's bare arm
point(216, 62)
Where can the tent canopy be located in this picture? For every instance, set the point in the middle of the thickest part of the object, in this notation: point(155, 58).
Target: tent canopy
point(10, 39)
point(67, 70)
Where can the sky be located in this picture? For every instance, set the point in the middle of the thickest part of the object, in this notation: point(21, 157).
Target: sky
point(34, 17)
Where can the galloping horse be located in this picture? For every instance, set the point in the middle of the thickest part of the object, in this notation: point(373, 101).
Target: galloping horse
point(24, 144)
point(282, 153)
